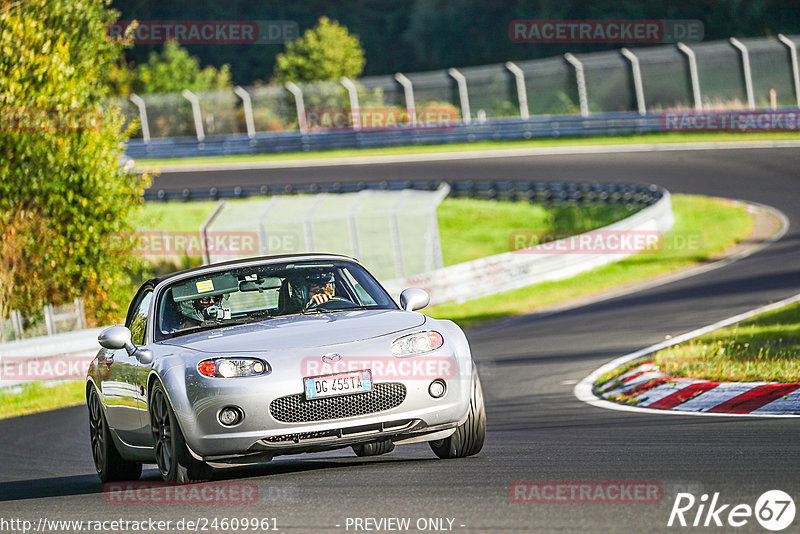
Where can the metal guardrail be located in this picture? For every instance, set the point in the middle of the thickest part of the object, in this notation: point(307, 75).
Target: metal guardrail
point(491, 130)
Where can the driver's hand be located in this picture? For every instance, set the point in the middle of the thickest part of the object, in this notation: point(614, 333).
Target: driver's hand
point(319, 298)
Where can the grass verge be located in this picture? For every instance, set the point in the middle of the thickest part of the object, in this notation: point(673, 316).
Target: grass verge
point(764, 347)
point(39, 397)
point(481, 145)
point(703, 227)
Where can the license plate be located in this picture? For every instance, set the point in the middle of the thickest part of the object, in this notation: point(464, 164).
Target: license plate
point(338, 384)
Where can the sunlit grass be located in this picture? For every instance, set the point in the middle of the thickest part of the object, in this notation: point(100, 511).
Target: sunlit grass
point(703, 227)
point(40, 396)
point(766, 347)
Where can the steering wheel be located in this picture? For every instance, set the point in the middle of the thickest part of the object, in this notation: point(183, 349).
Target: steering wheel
point(337, 304)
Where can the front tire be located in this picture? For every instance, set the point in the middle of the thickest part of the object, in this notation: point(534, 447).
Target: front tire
point(175, 462)
point(108, 463)
point(373, 449)
point(468, 438)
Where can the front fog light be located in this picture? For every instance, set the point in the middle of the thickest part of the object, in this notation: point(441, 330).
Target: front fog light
point(230, 416)
point(437, 388)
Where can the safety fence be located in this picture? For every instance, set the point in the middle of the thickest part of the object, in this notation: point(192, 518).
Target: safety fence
point(51, 321)
point(452, 105)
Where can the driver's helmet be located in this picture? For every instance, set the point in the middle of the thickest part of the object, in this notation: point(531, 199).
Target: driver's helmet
point(203, 308)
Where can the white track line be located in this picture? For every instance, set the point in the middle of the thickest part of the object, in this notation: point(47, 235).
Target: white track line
point(471, 154)
point(583, 390)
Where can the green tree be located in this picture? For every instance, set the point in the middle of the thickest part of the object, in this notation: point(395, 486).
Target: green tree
point(64, 198)
point(174, 70)
point(326, 52)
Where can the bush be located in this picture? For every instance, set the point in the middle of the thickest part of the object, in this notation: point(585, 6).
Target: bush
point(61, 184)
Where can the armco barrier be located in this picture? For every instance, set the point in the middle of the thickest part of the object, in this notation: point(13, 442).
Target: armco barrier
point(546, 193)
point(514, 270)
point(490, 130)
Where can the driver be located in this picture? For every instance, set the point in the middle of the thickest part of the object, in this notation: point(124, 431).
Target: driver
point(321, 289)
point(201, 309)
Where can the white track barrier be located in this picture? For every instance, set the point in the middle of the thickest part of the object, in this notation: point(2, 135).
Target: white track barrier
point(542, 263)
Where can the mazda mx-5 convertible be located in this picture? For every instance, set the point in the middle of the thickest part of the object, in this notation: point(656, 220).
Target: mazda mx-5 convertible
point(238, 362)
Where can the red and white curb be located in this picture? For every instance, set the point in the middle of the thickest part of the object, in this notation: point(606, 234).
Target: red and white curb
point(684, 396)
point(646, 386)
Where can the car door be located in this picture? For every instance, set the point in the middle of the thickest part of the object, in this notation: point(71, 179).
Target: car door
point(122, 388)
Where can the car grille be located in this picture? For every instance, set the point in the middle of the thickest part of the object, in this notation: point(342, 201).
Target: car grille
point(296, 409)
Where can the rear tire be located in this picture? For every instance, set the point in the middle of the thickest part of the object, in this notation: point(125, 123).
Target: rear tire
point(373, 449)
point(468, 438)
point(175, 462)
point(108, 463)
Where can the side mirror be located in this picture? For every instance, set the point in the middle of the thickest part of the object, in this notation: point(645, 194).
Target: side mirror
point(414, 298)
point(115, 338)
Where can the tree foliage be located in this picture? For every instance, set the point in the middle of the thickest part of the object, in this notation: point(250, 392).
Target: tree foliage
point(326, 52)
point(64, 198)
point(172, 70)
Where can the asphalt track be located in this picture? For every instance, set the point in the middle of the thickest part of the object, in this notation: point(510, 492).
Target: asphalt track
point(537, 429)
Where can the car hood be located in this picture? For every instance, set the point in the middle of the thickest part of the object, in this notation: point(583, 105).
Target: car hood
point(301, 331)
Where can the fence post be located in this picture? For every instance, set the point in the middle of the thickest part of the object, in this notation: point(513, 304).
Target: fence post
point(247, 106)
point(408, 91)
point(81, 314)
point(693, 75)
point(16, 322)
point(463, 95)
point(352, 222)
point(394, 229)
point(198, 117)
point(138, 101)
point(298, 101)
point(352, 91)
point(262, 229)
point(581, 80)
point(748, 79)
point(49, 321)
point(637, 80)
point(308, 228)
point(792, 46)
point(522, 95)
point(203, 231)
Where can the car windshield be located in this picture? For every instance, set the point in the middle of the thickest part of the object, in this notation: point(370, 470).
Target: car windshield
point(260, 292)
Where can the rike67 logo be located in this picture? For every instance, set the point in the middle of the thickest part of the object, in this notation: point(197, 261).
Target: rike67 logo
point(774, 510)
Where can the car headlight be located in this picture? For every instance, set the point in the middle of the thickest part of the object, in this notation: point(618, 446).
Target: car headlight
point(233, 367)
point(417, 343)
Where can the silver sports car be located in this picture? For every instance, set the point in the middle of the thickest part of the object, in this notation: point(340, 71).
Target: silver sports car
point(238, 362)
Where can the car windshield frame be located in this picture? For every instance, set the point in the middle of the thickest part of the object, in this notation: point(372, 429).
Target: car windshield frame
point(352, 285)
